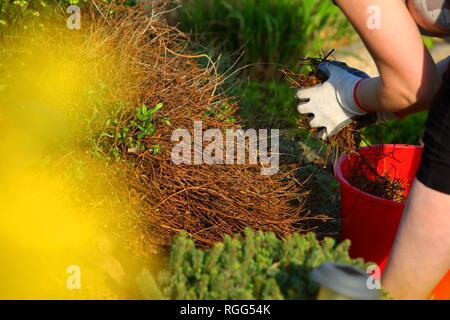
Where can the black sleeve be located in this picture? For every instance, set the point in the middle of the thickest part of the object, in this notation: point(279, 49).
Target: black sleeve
point(434, 170)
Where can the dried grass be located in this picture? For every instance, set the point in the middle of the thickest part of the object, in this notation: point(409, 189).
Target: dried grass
point(207, 201)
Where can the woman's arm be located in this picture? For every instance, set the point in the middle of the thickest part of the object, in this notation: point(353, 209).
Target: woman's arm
point(408, 75)
point(420, 256)
point(407, 83)
point(421, 252)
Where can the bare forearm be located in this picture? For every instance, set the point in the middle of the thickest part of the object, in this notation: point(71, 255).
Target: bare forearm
point(408, 76)
point(374, 90)
point(421, 253)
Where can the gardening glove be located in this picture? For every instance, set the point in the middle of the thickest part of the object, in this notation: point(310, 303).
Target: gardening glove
point(332, 103)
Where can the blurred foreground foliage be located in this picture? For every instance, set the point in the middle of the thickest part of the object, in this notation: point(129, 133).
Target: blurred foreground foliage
point(16, 15)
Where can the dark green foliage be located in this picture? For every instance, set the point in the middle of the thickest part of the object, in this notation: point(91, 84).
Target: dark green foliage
point(406, 131)
point(255, 265)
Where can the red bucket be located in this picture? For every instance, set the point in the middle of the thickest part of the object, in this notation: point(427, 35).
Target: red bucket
point(371, 222)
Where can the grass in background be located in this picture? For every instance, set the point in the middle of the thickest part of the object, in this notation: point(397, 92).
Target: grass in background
point(267, 103)
point(271, 33)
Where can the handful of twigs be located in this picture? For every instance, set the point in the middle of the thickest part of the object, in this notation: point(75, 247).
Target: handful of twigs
point(348, 139)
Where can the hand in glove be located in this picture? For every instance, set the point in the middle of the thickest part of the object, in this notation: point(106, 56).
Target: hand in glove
point(332, 103)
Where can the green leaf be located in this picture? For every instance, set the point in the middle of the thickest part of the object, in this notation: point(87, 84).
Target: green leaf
point(144, 109)
point(157, 107)
point(141, 135)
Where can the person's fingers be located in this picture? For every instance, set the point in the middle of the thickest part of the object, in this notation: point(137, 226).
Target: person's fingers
point(305, 94)
point(337, 70)
point(324, 67)
point(305, 108)
point(334, 70)
point(339, 66)
point(316, 122)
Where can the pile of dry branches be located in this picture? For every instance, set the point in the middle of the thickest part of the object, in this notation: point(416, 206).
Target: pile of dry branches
point(207, 201)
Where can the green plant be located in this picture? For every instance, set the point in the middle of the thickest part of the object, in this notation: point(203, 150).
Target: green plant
point(255, 265)
point(406, 131)
point(132, 133)
point(269, 32)
point(143, 120)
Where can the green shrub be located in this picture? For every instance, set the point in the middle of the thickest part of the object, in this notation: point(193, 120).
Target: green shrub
point(270, 32)
point(255, 265)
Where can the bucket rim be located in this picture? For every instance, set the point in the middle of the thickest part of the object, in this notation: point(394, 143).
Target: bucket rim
point(340, 176)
